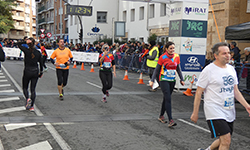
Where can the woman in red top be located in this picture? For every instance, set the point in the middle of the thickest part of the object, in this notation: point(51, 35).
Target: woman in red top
point(168, 64)
point(106, 61)
point(44, 56)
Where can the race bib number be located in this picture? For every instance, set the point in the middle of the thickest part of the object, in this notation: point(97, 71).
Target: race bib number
point(62, 66)
point(229, 103)
point(169, 73)
point(107, 64)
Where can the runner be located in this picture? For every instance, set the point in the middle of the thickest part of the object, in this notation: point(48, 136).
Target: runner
point(219, 83)
point(63, 58)
point(31, 73)
point(169, 63)
point(106, 63)
point(44, 56)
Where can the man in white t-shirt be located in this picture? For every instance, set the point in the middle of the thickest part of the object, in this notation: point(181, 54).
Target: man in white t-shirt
point(219, 83)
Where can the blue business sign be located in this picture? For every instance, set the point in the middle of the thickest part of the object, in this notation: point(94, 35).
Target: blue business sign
point(194, 28)
point(192, 62)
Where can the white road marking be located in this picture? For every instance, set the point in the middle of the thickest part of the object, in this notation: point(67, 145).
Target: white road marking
point(94, 84)
point(51, 68)
point(2, 77)
point(1, 73)
point(4, 85)
point(1, 145)
point(14, 126)
point(9, 99)
point(196, 126)
point(13, 109)
point(61, 142)
point(38, 146)
point(3, 80)
point(7, 91)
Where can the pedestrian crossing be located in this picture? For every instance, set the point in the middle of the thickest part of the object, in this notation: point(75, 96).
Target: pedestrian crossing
point(5, 87)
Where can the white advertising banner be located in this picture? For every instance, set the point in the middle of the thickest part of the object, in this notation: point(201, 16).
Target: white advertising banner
point(77, 56)
point(193, 45)
point(189, 11)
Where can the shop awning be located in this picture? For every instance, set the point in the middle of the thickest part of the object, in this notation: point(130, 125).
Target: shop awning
point(238, 32)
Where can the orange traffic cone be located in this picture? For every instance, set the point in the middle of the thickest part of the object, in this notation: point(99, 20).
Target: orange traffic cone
point(82, 68)
point(141, 80)
point(92, 68)
point(74, 64)
point(126, 75)
point(189, 89)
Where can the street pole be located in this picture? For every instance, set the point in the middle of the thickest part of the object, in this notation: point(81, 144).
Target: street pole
point(60, 25)
point(113, 30)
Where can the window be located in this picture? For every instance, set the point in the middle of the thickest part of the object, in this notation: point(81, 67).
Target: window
point(132, 15)
point(28, 25)
point(141, 17)
point(124, 16)
point(17, 4)
point(18, 13)
point(151, 11)
point(18, 23)
point(141, 39)
point(101, 17)
point(76, 19)
point(55, 12)
point(71, 20)
point(17, 33)
point(163, 9)
point(27, 15)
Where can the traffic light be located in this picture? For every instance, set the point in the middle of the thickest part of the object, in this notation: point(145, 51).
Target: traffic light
point(80, 35)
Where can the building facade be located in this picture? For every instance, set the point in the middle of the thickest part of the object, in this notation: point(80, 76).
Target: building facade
point(24, 16)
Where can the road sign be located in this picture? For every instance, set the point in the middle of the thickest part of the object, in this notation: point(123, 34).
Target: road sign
point(79, 10)
point(42, 35)
point(42, 30)
point(49, 35)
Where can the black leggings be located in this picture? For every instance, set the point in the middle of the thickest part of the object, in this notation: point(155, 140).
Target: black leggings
point(62, 76)
point(167, 89)
point(106, 78)
point(30, 75)
point(44, 60)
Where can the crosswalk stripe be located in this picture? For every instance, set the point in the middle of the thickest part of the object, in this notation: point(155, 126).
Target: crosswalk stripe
point(3, 80)
point(2, 77)
point(14, 126)
point(1, 73)
point(38, 146)
point(7, 91)
point(9, 99)
point(13, 109)
point(4, 85)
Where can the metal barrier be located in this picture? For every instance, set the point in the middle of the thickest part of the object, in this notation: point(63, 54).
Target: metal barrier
point(243, 82)
point(131, 62)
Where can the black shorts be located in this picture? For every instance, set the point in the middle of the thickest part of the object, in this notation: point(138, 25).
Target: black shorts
point(220, 127)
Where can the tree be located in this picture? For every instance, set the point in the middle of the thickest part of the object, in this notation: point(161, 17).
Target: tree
point(153, 37)
point(6, 20)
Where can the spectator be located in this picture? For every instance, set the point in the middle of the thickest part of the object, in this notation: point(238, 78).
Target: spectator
point(247, 60)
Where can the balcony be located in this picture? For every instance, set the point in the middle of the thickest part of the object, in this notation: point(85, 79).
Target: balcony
point(65, 17)
point(27, 19)
point(18, 8)
point(50, 20)
point(33, 24)
point(27, 29)
point(27, 11)
point(67, 30)
point(21, 18)
point(40, 21)
point(50, 6)
point(33, 32)
point(41, 9)
point(19, 27)
point(19, 0)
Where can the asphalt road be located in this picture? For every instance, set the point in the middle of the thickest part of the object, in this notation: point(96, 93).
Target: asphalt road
point(82, 122)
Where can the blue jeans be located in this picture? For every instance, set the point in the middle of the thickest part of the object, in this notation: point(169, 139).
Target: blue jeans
point(167, 89)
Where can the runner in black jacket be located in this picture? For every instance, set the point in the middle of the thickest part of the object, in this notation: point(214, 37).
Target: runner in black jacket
point(31, 71)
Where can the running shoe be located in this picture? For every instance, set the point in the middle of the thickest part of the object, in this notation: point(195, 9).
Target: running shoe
point(46, 69)
point(162, 119)
point(172, 123)
point(28, 104)
point(152, 90)
point(104, 100)
point(32, 109)
point(107, 93)
point(61, 97)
